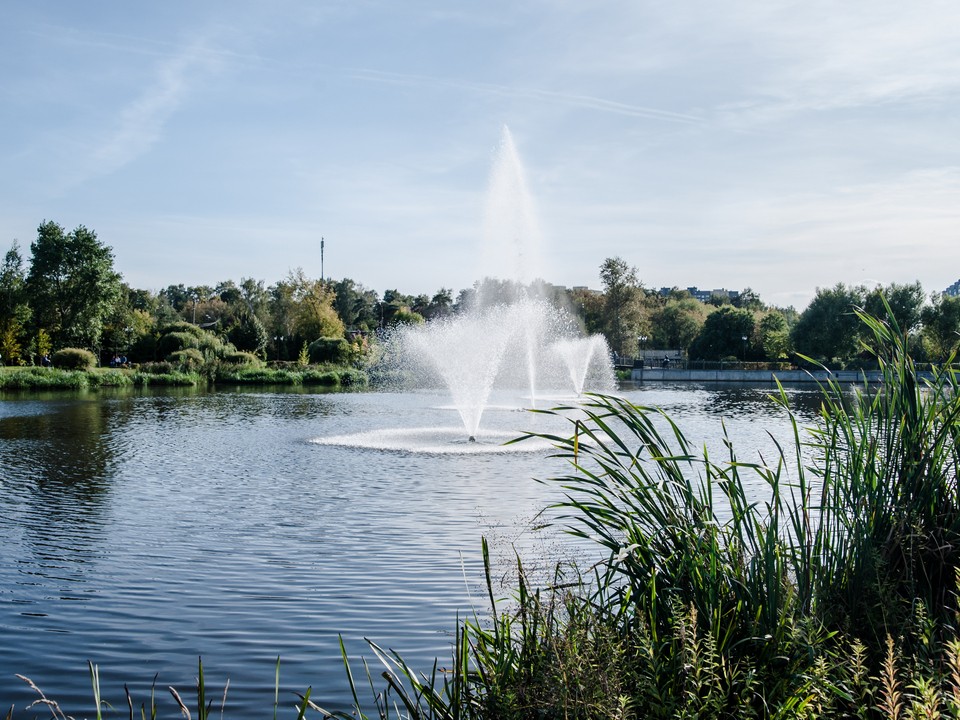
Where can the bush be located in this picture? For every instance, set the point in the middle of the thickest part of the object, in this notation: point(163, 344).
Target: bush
point(351, 377)
point(330, 350)
point(328, 378)
point(242, 358)
point(256, 376)
point(157, 368)
point(73, 359)
point(143, 349)
point(189, 359)
point(183, 327)
point(166, 379)
point(111, 378)
point(174, 341)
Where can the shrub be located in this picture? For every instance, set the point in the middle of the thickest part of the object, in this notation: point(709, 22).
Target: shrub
point(73, 359)
point(328, 378)
point(143, 349)
point(172, 342)
point(182, 326)
point(157, 368)
point(351, 377)
point(189, 359)
point(256, 376)
point(330, 350)
point(111, 378)
point(242, 358)
point(164, 379)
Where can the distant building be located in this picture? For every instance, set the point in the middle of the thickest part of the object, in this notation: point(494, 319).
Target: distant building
point(953, 290)
point(705, 295)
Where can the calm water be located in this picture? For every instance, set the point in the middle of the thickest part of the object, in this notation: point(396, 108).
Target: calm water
point(141, 531)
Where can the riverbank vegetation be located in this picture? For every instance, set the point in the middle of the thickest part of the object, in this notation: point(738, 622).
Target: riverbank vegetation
point(67, 294)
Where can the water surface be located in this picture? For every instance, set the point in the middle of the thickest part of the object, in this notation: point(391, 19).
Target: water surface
point(140, 531)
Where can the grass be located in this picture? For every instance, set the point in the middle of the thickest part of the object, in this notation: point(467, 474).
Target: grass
point(834, 594)
point(205, 706)
point(328, 377)
point(165, 374)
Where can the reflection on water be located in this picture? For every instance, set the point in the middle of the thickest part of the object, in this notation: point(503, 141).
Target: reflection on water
point(142, 530)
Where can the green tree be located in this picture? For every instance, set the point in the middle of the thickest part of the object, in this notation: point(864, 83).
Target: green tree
point(829, 329)
point(313, 315)
point(748, 300)
point(248, 334)
point(621, 307)
point(72, 284)
point(588, 307)
point(941, 326)
point(726, 332)
point(677, 323)
point(356, 305)
point(773, 336)
point(14, 310)
point(906, 302)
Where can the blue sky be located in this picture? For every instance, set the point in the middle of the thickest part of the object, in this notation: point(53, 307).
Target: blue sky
point(782, 146)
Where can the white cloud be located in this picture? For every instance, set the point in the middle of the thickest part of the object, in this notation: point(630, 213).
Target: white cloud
point(140, 124)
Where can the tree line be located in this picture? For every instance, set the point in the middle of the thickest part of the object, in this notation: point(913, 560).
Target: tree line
point(68, 294)
point(744, 328)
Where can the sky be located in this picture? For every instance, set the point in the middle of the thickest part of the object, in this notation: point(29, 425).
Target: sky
point(781, 146)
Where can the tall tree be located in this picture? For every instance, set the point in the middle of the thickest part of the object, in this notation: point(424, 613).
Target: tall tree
point(313, 313)
point(14, 310)
point(773, 336)
point(829, 328)
point(726, 332)
point(905, 303)
point(677, 323)
point(72, 284)
point(941, 326)
point(621, 308)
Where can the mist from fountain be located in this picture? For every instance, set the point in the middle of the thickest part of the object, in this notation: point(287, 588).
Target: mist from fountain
point(466, 353)
point(577, 354)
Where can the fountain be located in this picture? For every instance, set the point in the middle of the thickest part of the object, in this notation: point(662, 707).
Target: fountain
point(577, 355)
point(522, 347)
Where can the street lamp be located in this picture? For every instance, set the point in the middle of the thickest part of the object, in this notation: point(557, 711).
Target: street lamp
point(744, 338)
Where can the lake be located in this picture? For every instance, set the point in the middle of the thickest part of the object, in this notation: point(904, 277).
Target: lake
point(142, 530)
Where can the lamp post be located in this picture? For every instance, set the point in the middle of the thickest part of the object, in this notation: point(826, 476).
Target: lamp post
point(744, 356)
point(641, 343)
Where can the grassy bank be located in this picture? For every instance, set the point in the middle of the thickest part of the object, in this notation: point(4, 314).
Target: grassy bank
point(42, 378)
point(324, 377)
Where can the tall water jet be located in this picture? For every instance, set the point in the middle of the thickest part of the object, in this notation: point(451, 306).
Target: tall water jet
point(511, 240)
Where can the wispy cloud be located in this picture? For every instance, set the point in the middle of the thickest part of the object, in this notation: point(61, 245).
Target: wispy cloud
point(141, 122)
point(560, 98)
point(822, 56)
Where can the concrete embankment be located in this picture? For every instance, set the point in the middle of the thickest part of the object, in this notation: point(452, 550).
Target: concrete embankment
point(755, 376)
